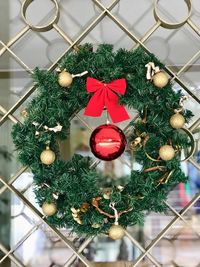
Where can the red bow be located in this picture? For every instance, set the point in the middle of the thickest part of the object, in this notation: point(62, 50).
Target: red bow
point(105, 96)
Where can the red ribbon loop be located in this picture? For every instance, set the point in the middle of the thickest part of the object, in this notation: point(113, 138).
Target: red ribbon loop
point(105, 96)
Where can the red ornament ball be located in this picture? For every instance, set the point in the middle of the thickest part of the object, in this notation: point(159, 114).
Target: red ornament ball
point(107, 142)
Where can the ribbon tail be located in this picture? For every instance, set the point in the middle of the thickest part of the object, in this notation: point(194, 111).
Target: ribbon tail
point(116, 111)
point(118, 114)
point(95, 105)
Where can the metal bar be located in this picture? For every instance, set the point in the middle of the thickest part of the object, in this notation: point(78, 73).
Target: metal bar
point(182, 218)
point(17, 58)
point(14, 178)
point(194, 125)
point(11, 117)
point(166, 229)
point(81, 248)
point(32, 89)
point(84, 122)
point(55, 230)
point(182, 84)
point(188, 64)
point(135, 242)
point(17, 105)
point(24, 238)
point(84, 33)
point(95, 163)
point(14, 39)
point(116, 20)
point(135, 39)
point(148, 34)
point(20, 73)
point(168, 70)
point(12, 257)
point(128, 126)
point(73, 45)
point(193, 26)
point(194, 163)
point(113, 4)
point(61, 32)
point(80, 38)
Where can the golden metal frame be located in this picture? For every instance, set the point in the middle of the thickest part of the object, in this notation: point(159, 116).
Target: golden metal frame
point(73, 44)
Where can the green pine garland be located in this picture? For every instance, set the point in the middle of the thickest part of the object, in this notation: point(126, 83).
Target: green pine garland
point(74, 181)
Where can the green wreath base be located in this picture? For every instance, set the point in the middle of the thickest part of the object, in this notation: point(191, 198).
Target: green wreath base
point(75, 182)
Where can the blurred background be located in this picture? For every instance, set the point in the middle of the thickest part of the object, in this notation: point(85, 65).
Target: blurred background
point(24, 239)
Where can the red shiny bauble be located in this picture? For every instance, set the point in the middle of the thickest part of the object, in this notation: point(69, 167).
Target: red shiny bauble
point(107, 142)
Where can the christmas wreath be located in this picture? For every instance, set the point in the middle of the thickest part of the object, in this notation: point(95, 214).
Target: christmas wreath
point(68, 191)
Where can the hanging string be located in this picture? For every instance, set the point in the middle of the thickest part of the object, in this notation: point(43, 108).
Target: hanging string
point(181, 103)
point(112, 206)
point(57, 128)
point(80, 74)
point(107, 118)
point(151, 70)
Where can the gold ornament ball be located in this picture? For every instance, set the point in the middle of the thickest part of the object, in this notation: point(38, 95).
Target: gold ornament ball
point(84, 207)
point(166, 152)
point(116, 232)
point(47, 156)
point(160, 79)
point(106, 196)
point(24, 113)
point(65, 79)
point(177, 121)
point(49, 209)
point(96, 225)
point(73, 210)
point(78, 220)
point(75, 215)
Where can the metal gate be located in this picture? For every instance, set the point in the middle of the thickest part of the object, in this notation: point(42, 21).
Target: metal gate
point(8, 113)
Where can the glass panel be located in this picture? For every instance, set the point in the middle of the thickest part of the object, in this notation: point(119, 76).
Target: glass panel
point(33, 242)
